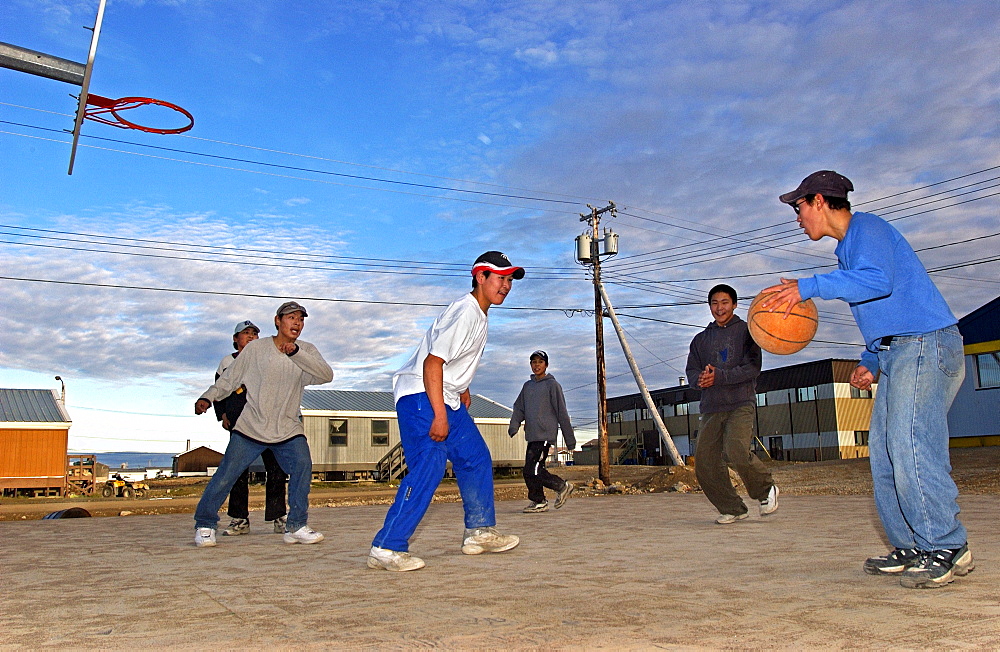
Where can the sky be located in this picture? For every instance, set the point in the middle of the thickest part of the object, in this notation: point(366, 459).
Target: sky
point(358, 157)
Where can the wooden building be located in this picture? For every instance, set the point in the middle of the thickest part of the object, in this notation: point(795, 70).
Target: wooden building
point(34, 435)
point(355, 435)
point(805, 412)
point(196, 461)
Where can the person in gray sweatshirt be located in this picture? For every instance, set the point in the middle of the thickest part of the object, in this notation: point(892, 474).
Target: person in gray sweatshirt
point(541, 406)
point(274, 371)
point(724, 363)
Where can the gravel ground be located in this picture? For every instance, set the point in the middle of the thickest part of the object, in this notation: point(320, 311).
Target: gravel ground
point(976, 471)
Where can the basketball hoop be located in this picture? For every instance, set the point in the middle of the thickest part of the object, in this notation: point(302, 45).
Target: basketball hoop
point(104, 106)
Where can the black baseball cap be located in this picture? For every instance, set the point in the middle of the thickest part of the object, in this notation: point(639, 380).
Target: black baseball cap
point(825, 182)
point(540, 354)
point(498, 263)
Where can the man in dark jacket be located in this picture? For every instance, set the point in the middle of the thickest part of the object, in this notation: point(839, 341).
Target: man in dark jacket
point(542, 407)
point(724, 363)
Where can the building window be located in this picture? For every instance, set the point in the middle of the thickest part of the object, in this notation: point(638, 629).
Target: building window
point(761, 400)
point(680, 409)
point(338, 432)
point(860, 437)
point(860, 393)
point(380, 432)
point(615, 417)
point(804, 394)
point(988, 370)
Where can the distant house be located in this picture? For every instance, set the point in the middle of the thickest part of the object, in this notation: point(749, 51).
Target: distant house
point(34, 434)
point(974, 419)
point(196, 461)
point(355, 435)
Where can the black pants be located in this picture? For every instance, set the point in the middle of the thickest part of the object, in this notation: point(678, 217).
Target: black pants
point(536, 476)
point(274, 491)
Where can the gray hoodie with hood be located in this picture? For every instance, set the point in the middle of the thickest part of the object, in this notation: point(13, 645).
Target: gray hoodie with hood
point(542, 407)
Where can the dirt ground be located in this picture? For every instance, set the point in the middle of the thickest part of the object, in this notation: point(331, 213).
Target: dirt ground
point(976, 471)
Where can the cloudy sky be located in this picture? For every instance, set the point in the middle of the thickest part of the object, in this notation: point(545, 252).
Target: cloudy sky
point(359, 156)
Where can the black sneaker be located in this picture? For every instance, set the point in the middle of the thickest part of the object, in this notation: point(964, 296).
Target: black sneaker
point(937, 568)
point(895, 562)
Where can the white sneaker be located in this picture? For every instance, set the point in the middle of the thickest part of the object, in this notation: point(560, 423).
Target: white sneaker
point(770, 504)
point(535, 508)
point(304, 534)
point(204, 537)
point(486, 539)
point(726, 519)
point(279, 524)
point(393, 561)
point(237, 526)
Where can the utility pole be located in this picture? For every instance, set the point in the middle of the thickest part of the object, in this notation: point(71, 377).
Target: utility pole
point(594, 239)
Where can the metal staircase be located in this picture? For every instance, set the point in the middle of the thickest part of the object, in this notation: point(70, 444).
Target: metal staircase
point(392, 466)
point(629, 450)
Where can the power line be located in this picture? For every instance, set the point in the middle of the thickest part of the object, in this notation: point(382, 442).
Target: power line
point(579, 199)
point(269, 296)
point(296, 168)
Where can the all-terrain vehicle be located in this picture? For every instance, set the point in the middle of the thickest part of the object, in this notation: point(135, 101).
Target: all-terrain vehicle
point(119, 487)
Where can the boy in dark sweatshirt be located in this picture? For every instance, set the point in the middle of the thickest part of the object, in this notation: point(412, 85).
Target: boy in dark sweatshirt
point(724, 363)
point(541, 406)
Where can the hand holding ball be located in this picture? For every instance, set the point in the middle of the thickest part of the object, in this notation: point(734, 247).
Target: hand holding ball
point(776, 334)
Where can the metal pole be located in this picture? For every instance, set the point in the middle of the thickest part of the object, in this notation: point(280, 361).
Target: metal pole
point(668, 443)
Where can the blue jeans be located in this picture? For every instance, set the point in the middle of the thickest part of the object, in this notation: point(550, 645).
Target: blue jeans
point(427, 460)
point(908, 443)
point(293, 457)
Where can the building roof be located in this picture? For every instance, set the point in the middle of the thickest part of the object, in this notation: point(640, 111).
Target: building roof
point(340, 400)
point(31, 406)
point(982, 324)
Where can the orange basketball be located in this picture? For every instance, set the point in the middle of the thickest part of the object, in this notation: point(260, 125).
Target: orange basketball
point(775, 334)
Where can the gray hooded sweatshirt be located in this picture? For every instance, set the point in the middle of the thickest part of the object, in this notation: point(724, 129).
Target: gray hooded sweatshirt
point(542, 407)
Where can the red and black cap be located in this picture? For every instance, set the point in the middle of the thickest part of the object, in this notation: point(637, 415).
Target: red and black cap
point(497, 263)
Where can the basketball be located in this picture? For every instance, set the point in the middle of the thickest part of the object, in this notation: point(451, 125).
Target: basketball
point(775, 334)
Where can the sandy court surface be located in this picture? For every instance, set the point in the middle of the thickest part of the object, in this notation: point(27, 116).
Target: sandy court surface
point(624, 572)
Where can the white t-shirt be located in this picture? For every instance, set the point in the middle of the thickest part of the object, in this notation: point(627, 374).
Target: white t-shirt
point(457, 336)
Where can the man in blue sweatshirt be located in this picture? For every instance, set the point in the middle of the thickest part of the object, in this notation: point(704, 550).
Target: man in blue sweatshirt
point(724, 363)
point(913, 345)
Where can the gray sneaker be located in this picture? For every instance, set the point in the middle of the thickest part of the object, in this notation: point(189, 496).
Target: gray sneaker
point(563, 495)
point(894, 563)
point(937, 568)
point(535, 508)
point(238, 526)
point(279, 524)
point(486, 539)
point(393, 561)
point(770, 504)
point(726, 519)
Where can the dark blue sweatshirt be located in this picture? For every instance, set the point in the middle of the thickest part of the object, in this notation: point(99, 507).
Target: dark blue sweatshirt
point(737, 361)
